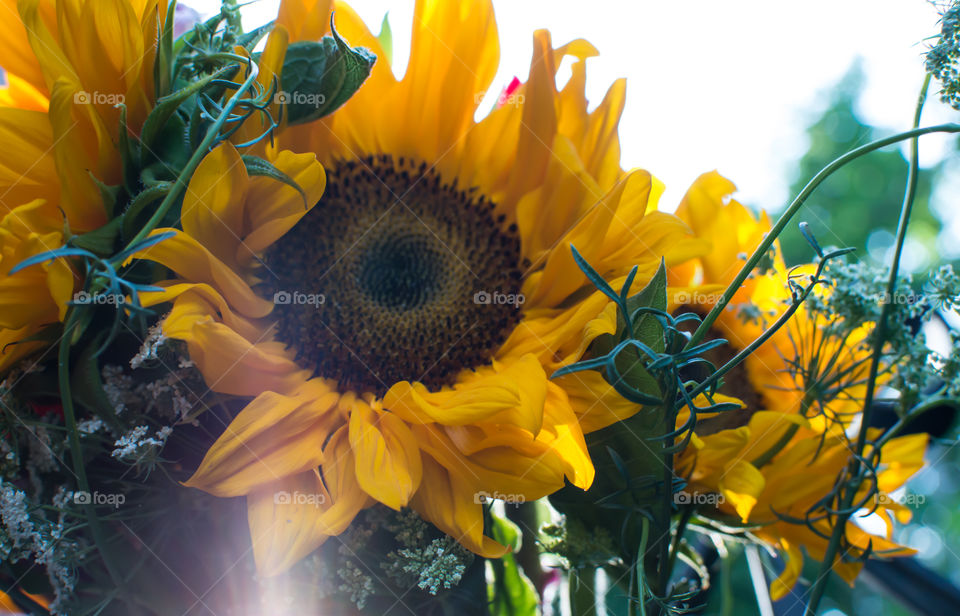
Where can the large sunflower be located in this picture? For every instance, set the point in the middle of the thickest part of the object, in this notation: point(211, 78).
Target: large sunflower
point(420, 307)
point(66, 64)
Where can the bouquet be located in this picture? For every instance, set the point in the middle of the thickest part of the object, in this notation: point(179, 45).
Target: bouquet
point(284, 333)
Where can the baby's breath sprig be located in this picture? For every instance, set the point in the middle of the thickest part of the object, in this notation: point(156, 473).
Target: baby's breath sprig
point(943, 58)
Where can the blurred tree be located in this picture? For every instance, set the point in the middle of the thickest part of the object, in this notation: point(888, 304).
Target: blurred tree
point(858, 205)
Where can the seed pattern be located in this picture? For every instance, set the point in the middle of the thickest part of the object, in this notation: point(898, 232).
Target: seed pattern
point(399, 258)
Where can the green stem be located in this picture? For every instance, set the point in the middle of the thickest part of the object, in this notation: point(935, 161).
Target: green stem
point(846, 500)
point(76, 454)
point(784, 219)
point(583, 596)
point(915, 412)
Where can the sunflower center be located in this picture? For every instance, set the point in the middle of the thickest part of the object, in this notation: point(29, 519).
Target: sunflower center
point(395, 275)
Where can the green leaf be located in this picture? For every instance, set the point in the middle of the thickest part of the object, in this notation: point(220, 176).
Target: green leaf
point(259, 166)
point(385, 38)
point(511, 593)
point(319, 77)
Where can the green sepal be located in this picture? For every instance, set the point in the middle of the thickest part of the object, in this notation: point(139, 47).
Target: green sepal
point(385, 38)
point(323, 75)
point(149, 196)
point(163, 65)
point(646, 329)
point(157, 121)
point(109, 194)
point(129, 154)
point(249, 40)
point(261, 167)
point(174, 149)
point(101, 241)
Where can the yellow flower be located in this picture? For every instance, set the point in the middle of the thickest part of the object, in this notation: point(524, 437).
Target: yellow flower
point(805, 367)
point(784, 450)
point(761, 478)
point(421, 306)
point(36, 295)
point(67, 63)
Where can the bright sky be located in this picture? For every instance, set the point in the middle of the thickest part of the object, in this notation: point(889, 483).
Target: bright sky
point(726, 85)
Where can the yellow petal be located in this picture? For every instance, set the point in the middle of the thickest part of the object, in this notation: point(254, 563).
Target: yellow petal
point(273, 208)
point(273, 437)
point(27, 169)
point(447, 500)
point(538, 126)
point(511, 393)
point(305, 20)
point(230, 363)
point(212, 212)
point(292, 517)
point(454, 55)
point(793, 566)
point(388, 463)
point(189, 258)
point(596, 403)
point(283, 521)
point(742, 485)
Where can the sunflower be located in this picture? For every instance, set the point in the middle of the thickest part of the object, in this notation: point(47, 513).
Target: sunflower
point(781, 453)
point(767, 484)
point(808, 366)
point(66, 64)
point(397, 336)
